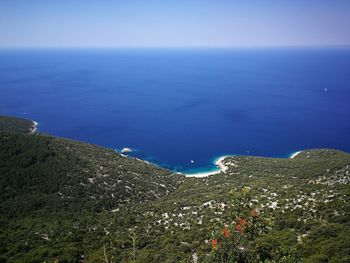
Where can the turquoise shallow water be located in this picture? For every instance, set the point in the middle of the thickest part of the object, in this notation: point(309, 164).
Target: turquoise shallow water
point(174, 106)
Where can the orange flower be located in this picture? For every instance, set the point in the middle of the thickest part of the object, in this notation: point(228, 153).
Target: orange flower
point(226, 232)
point(214, 243)
point(243, 221)
point(255, 213)
point(238, 228)
point(241, 224)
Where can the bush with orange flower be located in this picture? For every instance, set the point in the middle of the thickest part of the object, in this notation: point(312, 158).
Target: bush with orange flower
point(230, 241)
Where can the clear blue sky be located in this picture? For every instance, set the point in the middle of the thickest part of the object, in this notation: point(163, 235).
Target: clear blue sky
point(173, 23)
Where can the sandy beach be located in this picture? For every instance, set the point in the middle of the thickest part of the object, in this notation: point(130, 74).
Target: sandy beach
point(294, 154)
point(221, 168)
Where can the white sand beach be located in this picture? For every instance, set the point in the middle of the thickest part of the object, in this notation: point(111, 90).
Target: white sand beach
point(221, 168)
point(294, 154)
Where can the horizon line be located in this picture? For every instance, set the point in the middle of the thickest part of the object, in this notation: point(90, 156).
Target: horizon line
point(178, 47)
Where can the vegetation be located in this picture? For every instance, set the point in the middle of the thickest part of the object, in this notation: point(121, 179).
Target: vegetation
point(15, 125)
point(68, 201)
point(232, 243)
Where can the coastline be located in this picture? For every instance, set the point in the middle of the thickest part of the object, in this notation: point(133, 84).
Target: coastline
point(34, 127)
point(221, 167)
point(294, 154)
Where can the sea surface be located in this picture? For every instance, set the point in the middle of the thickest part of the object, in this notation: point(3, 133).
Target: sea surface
point(182, 108)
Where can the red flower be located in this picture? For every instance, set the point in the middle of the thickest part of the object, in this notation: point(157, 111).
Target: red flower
point(214, 243)
point(241, 224)
point(243, 221)
point(238, 228)
point(255, 213)
point(226, 232)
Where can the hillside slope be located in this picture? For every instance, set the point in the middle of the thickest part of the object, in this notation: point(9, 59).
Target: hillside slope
point(307, 199)
point(75, 202)
point(39, 170)
point(16, 125)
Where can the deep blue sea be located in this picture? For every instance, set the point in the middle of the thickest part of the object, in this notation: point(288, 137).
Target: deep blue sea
point(176, 105)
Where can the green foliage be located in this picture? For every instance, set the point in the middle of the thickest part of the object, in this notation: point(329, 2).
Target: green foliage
point(278, 246)
point(333, 249)
point(232, 242)
point(15, 125)
point(68, 201)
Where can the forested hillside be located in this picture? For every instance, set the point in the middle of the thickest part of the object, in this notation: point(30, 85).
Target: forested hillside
point(67, 201)
point(16, 125)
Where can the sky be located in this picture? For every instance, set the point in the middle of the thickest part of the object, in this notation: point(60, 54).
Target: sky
point(174, 23)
